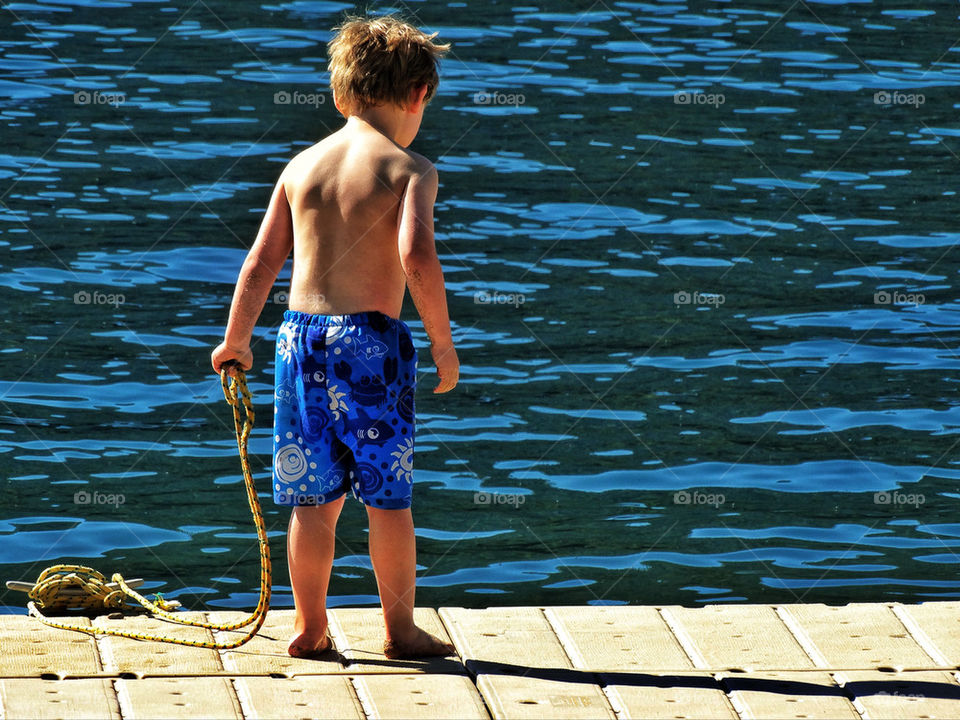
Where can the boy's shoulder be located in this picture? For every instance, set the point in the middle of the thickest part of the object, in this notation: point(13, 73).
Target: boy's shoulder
point(340, 142)
point(419, 165)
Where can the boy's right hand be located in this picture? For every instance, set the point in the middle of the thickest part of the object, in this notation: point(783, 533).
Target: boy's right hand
point(224, 353)
point(448, 367)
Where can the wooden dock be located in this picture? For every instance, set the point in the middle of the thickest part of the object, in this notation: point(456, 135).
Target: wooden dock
point(878, 660)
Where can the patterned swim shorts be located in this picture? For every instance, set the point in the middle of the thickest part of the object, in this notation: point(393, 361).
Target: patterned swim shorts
point(343, 409)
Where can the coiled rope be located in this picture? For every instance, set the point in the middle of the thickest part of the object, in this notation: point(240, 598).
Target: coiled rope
point(49, 591)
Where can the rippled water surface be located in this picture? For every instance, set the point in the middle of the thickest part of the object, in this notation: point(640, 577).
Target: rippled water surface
point(701, 260)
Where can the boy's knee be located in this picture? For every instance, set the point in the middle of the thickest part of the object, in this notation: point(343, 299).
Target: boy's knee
point(388, 513)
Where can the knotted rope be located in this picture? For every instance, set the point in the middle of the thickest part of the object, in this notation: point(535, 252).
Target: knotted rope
point(49, 591)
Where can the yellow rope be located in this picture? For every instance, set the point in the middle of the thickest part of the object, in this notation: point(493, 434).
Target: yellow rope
point(94, 586)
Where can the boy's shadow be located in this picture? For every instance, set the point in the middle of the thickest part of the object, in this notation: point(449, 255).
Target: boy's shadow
point(731, 682)
point(901, 686)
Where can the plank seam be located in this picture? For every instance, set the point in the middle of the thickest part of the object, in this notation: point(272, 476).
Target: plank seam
point(123, 698)
point(801, 636)
point(574, 657)
point(614, 700)
point(339, 637)
point(495, 707)
point(841, 681)
point(739, 705)
point(448, 620)
point(367, 706)
point(237, 707)
point(683, 639)
point(243, 698)
point(219, 653)
point(112, 695)
point(459, 640)
point(920, 637)
point(103, 650)
point(569, 646)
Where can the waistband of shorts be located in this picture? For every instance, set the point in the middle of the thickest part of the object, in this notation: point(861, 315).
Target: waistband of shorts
point(356, 319)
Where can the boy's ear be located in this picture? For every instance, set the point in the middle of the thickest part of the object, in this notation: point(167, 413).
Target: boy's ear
point(417, 95)
point(339, 105)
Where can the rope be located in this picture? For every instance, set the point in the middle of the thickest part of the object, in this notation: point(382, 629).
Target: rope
point(47, 592)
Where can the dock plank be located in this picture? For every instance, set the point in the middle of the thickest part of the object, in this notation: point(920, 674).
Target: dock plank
point(906, 696)
point(266, 654)
point(782, 695)
point(933, 618)
point(359, 634)
point(859, 635)
point(313, 696)
point(719, 661)
point(666, 697)
point(628, 637)
point(431, 697)
point(512, 638)
point(35, 699)
point(187, 698)
point(745, 637)
point(32, 649)
point(145, 658)
point(519, 697)
point(521, 668)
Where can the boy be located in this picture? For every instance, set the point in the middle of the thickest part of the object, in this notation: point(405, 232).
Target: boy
point(356, 209)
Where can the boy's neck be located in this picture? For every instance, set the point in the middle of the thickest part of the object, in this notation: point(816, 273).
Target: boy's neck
point(390, 121)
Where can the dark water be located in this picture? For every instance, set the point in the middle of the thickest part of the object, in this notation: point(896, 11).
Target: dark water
point(701, 260)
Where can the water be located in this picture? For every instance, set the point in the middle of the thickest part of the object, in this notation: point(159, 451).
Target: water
point(708, 339)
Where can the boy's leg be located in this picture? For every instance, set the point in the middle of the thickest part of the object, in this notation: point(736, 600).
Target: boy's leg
point(393, 553)
point(310, 546)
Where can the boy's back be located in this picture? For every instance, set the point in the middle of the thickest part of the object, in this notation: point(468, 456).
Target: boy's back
point(346, 198)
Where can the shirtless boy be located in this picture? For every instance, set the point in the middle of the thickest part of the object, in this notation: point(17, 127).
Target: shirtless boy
point(356, 209)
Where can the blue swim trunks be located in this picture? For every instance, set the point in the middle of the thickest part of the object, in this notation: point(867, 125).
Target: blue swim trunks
point(343, 409)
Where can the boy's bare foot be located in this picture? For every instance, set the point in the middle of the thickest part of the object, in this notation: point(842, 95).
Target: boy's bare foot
point(419, 644)
point(309, 646)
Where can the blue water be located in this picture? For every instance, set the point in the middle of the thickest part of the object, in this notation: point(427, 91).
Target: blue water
point(701, 261)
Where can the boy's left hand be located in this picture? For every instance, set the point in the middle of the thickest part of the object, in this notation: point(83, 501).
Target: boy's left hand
point(224, 353)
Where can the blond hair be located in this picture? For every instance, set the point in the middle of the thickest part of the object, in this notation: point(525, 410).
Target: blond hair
point(381, 60)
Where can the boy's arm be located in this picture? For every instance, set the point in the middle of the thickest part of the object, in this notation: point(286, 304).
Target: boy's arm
point(418, 257)
point(259, 271)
